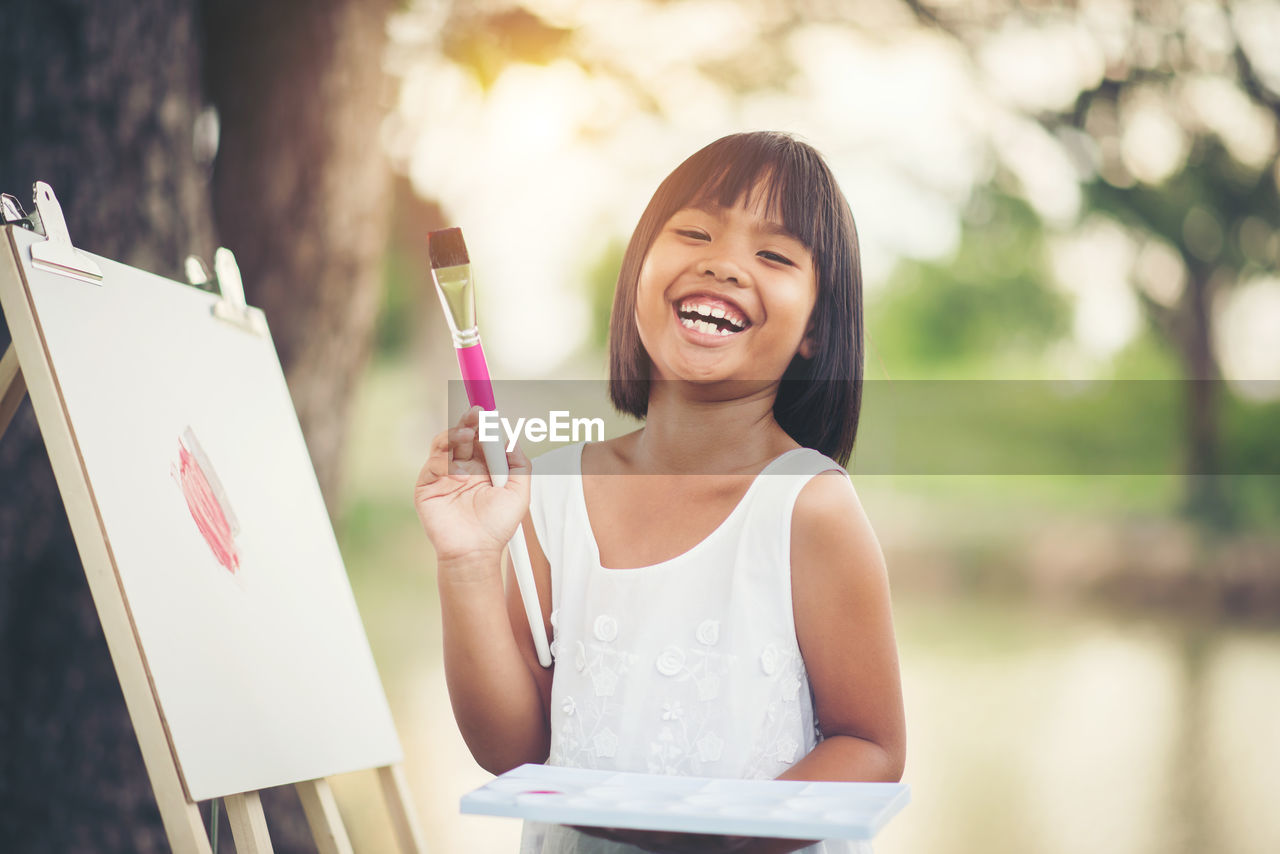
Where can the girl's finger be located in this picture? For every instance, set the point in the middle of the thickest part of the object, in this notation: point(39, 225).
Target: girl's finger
point(437, 464)
point(466, 469)
point(519, 468)
point(462, 442)
point(518, 462)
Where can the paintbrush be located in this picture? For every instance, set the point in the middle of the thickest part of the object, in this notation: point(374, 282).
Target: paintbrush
point(451, 271)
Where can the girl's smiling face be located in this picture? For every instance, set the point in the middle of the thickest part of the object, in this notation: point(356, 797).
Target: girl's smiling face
point(725, 294)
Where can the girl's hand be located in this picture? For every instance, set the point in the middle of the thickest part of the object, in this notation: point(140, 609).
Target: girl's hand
point(463, 513)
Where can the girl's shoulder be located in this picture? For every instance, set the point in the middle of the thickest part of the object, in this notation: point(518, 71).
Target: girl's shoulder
point(829, 517)
point(801, 460)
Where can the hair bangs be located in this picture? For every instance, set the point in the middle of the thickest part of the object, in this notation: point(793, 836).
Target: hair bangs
point(780, 173)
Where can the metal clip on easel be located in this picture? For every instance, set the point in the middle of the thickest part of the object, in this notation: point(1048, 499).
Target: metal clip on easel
point(54, 254)
point(226, 277)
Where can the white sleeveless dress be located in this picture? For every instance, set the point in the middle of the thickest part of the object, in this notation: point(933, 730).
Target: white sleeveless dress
point(689, 666)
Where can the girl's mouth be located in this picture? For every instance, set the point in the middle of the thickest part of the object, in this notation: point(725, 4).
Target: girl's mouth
point(710, 315)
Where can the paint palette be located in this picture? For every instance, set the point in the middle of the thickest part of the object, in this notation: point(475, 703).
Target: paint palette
point(781, 808)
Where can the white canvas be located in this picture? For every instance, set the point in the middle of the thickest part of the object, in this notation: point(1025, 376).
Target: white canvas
point(260, 663)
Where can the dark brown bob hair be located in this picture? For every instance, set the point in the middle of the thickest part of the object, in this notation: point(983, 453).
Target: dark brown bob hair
point(819, 398)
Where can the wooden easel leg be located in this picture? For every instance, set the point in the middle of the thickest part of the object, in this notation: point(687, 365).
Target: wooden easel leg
point(322, 814)
point(248, 823)
point(12, 387)
point(396, 793)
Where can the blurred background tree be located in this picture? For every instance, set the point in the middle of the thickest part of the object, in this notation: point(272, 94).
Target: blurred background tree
point(122, 108)
point(1176, 134)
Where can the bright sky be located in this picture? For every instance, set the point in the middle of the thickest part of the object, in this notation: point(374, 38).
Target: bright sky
point(553, 163)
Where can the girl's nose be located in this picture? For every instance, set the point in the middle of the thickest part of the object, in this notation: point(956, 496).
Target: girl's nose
point(724, 268)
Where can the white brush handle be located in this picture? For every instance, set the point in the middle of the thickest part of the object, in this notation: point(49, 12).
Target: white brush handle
point(495, 458)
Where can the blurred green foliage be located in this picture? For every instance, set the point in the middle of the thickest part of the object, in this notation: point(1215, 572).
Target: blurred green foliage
point(990, 305)
point(395, 327)
point(602, 281)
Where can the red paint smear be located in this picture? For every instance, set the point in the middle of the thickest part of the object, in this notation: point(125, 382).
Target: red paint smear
point(206, 510)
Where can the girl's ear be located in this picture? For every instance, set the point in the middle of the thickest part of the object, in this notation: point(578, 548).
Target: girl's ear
point(807, 345)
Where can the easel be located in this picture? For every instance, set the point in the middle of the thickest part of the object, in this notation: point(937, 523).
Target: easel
point(26, 368)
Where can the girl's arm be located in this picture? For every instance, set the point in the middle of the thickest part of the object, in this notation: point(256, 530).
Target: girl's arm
point(840, 598)
point(496, 697)
point(844, 624)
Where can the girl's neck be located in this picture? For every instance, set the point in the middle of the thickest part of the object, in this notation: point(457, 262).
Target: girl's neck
point(689, 431)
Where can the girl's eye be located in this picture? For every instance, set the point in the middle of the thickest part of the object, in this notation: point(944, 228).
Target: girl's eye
point(775, 257)
point(692, 234)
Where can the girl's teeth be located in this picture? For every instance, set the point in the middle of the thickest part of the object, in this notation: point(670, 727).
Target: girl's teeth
point(709, 312)
point(705, 326)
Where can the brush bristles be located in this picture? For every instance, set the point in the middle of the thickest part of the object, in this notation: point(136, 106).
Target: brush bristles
point(447, 248)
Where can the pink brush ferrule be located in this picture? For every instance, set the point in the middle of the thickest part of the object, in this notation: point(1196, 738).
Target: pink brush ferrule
point(475, 376)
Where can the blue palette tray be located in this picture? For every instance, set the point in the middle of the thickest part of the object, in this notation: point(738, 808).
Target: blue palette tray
point(781, 808)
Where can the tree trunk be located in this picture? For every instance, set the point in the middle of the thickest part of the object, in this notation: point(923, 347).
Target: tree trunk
point(1204, 496)
point(99, 100)
point(301, 190)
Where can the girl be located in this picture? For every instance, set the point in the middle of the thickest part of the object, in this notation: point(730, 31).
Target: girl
point(735, 623)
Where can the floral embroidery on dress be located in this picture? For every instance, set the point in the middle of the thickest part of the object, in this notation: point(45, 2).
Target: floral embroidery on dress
point(671, 661)
point(605, 628)
point(581, 737)
point(604, 682)
point(769, 659)
point(785, 750)
point(692, 713)
point(708, 633)
point(709, 747)
point(554, 646)
point(690, 720)
point(776, 747)
point(605, 742)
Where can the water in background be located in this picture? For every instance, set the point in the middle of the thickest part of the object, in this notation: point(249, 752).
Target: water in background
point(1030, 730)
point(1066, 731)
